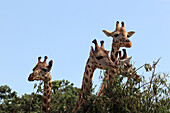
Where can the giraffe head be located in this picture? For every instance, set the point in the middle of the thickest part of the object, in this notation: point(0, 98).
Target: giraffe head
point(100, 57)
point(124, 62)
point(120, 36)
point(41, 71)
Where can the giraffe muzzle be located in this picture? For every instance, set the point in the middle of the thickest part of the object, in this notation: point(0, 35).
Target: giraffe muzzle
point(31, 78)
point(128, 45)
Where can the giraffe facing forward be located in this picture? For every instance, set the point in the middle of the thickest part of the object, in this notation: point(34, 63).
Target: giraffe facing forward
point(42, 72)
point(98, 59)
point(120, 39)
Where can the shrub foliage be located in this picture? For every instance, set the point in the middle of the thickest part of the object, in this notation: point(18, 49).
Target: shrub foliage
point(124, 95)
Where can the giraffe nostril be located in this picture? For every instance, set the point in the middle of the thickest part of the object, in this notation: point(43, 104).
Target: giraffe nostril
point(127, 40)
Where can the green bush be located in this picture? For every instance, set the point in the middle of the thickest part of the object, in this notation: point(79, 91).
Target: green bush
point(132, 95)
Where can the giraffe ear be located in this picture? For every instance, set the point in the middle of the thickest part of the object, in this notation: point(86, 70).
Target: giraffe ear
point(108, 33)
point(130, 33)
point(91, 51)
point(107, 51)
point(127, 60)
point(50, 64)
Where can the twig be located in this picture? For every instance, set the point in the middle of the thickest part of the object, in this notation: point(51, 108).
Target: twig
point(138, 68)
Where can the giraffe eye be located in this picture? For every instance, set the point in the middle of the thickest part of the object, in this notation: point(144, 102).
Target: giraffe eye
point(99, 57)
point(45, 70)
point(116, 35)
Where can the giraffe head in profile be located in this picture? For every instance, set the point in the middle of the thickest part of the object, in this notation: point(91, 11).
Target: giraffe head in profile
point(41, 71)
point(126, 67)
point(99, 57)
point(124, 62)
point(120, 36)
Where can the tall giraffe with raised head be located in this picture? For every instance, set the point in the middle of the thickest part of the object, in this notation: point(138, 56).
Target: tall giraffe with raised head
point(98, 59)
point(42, 72)
point(120, 39)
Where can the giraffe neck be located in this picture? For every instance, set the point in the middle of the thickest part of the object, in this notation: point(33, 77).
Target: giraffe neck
point(86, 84)
point(46, 96)
point(114, 58)
point(114, 53)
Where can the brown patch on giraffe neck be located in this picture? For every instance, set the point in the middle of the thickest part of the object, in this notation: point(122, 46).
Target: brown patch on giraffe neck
point(44, 109)
point(86, 79)
point(87, 72)
point(44, 100)
point(45, 94)
point(114, 53)
point(49, 84)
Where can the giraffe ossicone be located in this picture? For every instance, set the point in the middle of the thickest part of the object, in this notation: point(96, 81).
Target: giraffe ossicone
point(42, 72)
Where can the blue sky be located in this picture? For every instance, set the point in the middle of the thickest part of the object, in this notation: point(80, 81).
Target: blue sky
point(63, 30)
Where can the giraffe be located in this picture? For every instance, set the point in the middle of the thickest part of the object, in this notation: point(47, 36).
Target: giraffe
point(42, 72)
point(124, 62)
point(120, 39)
point(126, 66)
point(98, 59)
